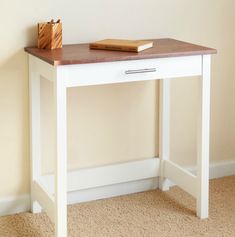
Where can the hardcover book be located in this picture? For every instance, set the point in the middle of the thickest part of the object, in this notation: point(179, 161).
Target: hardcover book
point(122, 45)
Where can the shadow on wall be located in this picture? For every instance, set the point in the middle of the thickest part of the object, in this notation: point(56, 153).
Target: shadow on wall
point(31, 34)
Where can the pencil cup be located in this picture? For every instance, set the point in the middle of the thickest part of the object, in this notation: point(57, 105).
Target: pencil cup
point(50, 35)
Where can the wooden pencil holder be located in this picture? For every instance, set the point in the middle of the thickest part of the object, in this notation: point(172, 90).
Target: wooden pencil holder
point(50, 35)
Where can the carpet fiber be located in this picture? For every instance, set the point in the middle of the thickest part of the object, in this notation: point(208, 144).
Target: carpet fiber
point(152, 213)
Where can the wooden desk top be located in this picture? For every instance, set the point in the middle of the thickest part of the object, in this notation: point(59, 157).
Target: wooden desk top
point(80, 53)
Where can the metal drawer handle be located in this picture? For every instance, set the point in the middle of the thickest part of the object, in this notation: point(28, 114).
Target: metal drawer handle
point(140, 71)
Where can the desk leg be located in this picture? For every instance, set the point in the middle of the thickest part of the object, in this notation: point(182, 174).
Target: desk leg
point(61, 159)
point(203, 141)
point(164, 141)
point(35, 135)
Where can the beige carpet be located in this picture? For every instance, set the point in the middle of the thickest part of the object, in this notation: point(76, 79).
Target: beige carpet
point(152, 213)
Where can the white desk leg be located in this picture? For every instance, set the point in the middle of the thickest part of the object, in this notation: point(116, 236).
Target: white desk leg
point(35, 138)
point(164, 141)
point(61, 159)
point(203, 141)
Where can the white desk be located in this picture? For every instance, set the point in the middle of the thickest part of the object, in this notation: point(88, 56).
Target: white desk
point(76, 65)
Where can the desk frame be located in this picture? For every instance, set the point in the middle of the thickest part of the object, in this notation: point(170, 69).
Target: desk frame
point(65, 76)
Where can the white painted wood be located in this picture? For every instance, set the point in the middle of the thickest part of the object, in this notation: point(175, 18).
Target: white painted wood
point(35, 127)
point(45, 199)
point(46, 70)
point(182, 177)
point(61, 155)
point(164, 131)
point(217, 169)
point(21, 203)
point(114, 72)
point(113, 190)
point(203, 141)
point(106, 73)
point(107, 175)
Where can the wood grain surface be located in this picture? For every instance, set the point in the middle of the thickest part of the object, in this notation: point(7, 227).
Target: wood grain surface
point(81, 53)
point(50, 35)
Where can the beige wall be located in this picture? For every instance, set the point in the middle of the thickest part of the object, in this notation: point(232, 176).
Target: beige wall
point(114, 123)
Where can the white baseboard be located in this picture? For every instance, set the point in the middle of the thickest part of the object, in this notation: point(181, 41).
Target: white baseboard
point(13, 205)
point(112, 190)
point(21, 203)
point(222, 169)
point(218, 169)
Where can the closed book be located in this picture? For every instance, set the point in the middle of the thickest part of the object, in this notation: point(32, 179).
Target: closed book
point(122, 45)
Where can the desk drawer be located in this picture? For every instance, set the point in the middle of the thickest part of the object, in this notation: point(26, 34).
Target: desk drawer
point(132, 70)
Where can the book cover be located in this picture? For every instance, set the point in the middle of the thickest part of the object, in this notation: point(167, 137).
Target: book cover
point(122, 45)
